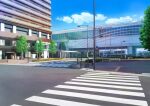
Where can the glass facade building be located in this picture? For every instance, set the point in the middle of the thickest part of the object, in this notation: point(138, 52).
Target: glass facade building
point(111, 40)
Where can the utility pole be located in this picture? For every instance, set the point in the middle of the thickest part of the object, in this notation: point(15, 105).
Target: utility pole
point(94, 49)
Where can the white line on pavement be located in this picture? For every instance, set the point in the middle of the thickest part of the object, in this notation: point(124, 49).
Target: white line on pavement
point(98, 97)
point(104, 85)
point(57, 102)
point(117, 73)
point(104, 76)
point(108, 82)
point(119, 92)
point(105, 79)
point(110, 75)
point(15, 105)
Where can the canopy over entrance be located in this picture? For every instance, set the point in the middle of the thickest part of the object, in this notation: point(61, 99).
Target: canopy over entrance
point(69, 54)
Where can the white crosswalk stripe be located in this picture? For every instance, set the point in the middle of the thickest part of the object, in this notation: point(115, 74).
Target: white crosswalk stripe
point(110, 75)
point(97, 97)
point(15, 105)
point(114, 77)
point(119, 92)
point(106, 82)
point(104, 85)
point(105, 79)
point(57, 102)
point(116, 89)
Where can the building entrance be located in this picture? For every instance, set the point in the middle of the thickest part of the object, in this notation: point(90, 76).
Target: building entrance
point(9, 55)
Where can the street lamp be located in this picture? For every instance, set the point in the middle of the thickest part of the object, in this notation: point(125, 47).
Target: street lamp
point(94, 7)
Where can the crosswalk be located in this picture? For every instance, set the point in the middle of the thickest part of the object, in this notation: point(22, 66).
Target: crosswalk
point(93, 89)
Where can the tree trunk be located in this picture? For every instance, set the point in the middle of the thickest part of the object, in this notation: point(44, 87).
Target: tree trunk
point(21, 55)
point(38, 56)
point(52, 55)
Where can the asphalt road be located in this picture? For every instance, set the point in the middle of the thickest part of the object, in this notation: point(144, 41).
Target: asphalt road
point(20, 82)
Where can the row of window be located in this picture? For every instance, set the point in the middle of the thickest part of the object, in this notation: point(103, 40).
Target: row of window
point(24, 20)
point(118, 31)
point(24, 31)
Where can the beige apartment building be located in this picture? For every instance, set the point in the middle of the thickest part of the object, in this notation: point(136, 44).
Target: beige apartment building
point(30, 18)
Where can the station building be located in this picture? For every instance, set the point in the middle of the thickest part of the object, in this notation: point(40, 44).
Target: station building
point(111, 40)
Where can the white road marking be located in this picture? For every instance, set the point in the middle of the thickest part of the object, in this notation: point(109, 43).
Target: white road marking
point(15, 105)
point(117, 73)
point(108, 82)
point(105, 79)
point(115, 77)
point(110, 75)
point(57, 102)
point(119, 92)
point(104, 85)
point(96, 74)
point(98, 97)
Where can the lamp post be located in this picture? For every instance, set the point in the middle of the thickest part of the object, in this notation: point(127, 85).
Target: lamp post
point(94, 7)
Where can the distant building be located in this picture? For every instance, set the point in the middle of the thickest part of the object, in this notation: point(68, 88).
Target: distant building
point(30, 18)
point(114, 40)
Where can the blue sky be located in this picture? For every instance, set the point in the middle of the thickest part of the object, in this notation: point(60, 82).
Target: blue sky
point(67, 14)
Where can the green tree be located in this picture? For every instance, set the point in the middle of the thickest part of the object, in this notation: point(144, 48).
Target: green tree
point(53, 47)
point(145, 30)
point(21, 45)
point(39, 48)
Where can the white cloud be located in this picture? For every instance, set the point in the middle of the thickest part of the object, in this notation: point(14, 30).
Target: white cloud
point(87, 18)
point(141, 17)
point(100, 17)
point(84, 17)
point(125, 19)
point(65, 19)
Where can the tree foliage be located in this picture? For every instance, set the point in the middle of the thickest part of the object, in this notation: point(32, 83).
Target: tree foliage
point(39, 47)
point(145, 30)
point(53, 47)
point(21, 45)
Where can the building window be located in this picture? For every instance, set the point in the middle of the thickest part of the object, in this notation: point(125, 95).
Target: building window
point(43, 35)
point(22, 31)
point(2, 42)
point(35, 33)
point(8, 43)
point(8, 28)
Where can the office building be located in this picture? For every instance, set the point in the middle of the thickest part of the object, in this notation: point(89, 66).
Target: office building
point(30, 18)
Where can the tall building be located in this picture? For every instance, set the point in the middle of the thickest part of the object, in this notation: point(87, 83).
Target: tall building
point(114, 40)
point(30, 18)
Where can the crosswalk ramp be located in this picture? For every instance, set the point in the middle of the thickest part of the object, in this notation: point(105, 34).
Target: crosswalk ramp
point(93, 89)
